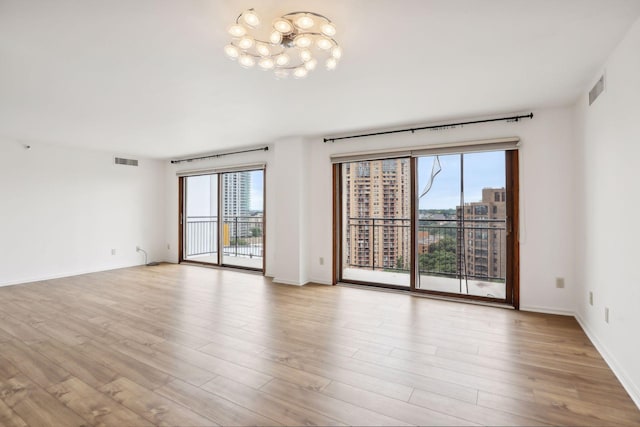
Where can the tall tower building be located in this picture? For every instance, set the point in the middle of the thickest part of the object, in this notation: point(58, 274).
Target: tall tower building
point(484, 239)
point(236, 195)
point(378, 212)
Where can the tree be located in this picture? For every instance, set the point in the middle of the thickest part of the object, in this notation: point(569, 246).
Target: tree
point(441, 257)
point(447, 244)
point(438, 262)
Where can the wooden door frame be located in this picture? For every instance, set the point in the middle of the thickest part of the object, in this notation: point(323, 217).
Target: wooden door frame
point(513, 225)
point(181, 184)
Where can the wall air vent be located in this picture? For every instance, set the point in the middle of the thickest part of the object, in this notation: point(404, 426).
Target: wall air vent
point(127, 162)
point(597, 90)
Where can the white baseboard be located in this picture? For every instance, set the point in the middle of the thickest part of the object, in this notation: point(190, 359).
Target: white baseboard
point(286, 282)
point(618, 370)
point(41, 278)
point(546, 310)
point(320, 282)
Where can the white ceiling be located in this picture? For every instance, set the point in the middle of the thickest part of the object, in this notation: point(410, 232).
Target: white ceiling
point(149, 78)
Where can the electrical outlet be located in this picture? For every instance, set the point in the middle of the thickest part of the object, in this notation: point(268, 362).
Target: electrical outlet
point(321, 260)
point(590, 298)
point(606, 314)
point(559, 282)
point(137, 248)
point(113, 251)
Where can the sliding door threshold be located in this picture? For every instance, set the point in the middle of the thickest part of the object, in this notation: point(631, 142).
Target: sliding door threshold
point(408, 291)
point(223, 267)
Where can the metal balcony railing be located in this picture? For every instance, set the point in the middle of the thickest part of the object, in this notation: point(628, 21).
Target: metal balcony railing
point(241, 236)
point(448, 247)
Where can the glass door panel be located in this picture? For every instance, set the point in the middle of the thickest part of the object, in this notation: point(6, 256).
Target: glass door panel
point(376, 223)
point(201, 220)
point(461, 226)
point(242, 228)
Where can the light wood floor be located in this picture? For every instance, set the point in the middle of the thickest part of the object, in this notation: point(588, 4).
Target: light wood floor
point(185, 345)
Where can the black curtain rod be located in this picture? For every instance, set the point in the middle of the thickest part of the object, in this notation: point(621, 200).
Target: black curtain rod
point(434, 127)
point(213, 156)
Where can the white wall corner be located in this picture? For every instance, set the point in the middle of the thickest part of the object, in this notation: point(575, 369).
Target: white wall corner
point(617, 368)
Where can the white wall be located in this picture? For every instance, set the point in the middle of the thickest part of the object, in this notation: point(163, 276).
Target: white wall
point(607, 233)
point(546, 205)
point(63, 210)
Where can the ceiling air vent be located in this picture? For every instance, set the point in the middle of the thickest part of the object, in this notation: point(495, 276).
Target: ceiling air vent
point(128, 162)
point(597, 90)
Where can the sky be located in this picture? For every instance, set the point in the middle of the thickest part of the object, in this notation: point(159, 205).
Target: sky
point(481, 170)
point(257, 183)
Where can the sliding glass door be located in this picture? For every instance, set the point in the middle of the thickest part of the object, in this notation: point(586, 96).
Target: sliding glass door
point(222, 219)
point(201, 219)
point(462, 224)
point(242, 223)
point(376, 225)
point(440, 224)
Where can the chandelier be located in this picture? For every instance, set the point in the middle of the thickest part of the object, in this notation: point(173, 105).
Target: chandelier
point(292, 46)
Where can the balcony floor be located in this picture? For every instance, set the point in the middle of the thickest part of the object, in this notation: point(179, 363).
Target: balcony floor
point(432, 283)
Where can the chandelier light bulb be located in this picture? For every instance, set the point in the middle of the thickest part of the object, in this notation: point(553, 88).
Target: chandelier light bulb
point(336, 52)
point(263, 49)
point(275, 37)
point(305, 55)
point(246, 61)
point(304, 22)
point(328, 29)
point(282, 59)
point(232, 51)
point(311, 65)
point(324, 43)
point(246, 42)
point(266, 63)
point(300, 73)
point(283, 25)
point(331, 64)
point(250, 18)
point(237, 30)
point(302, 41)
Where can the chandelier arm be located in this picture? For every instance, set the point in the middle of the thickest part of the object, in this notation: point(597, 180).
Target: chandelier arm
point(308, 13)
point(289, 67)
point(319, 34)
point(246, 52)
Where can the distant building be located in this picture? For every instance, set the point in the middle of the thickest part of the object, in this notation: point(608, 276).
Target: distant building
point(378, 208)
point(483, 240)
point(236, 197)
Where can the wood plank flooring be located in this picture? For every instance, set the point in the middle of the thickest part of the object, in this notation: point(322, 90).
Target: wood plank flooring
point(192, 346)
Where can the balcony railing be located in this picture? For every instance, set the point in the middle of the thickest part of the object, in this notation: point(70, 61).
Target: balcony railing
point(473, 248)
point(241, 236)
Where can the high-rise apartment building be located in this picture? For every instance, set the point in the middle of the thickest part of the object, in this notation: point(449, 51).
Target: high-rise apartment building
point(482, 240)
point(236, 197)
point(377, 199)
point(236, 194)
